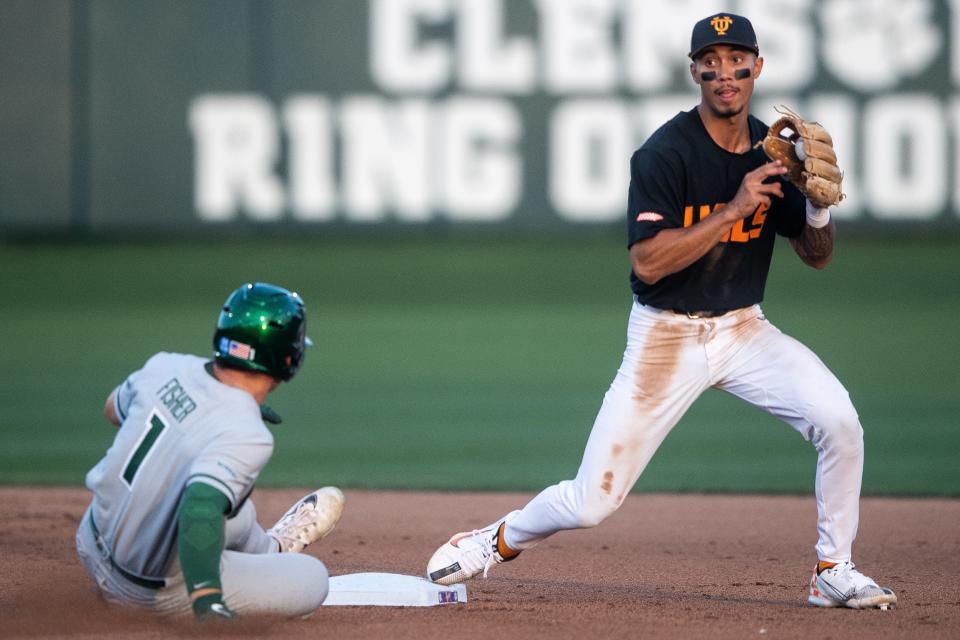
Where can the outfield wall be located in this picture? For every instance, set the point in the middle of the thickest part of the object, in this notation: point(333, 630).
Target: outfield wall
point(134, 115)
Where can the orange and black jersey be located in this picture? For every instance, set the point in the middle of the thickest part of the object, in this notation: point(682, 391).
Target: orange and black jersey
point(678, 178)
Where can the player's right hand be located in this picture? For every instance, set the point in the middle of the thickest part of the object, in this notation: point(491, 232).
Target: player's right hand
point(212, 607)
point(754, 192)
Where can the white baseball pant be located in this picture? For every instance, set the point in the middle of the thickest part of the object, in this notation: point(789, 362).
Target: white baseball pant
point(256, 578)
point(669, 361)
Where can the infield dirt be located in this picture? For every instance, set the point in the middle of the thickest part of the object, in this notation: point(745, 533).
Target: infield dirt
point(663, 566)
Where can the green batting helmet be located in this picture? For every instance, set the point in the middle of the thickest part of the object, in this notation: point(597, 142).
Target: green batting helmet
point(262, 328)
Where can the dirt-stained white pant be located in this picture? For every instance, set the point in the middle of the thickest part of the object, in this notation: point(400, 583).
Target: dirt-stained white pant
point(256, 578)
point(669, 361)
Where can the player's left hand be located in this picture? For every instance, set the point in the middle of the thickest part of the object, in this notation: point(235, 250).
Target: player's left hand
point(807, 153)
point(212, 607)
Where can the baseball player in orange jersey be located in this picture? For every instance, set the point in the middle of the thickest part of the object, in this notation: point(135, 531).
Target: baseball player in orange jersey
point(705, 207)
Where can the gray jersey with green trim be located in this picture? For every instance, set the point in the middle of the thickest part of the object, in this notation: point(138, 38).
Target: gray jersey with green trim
point(180, 425)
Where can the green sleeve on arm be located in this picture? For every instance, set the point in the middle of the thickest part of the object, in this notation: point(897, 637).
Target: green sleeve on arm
point(200, 538)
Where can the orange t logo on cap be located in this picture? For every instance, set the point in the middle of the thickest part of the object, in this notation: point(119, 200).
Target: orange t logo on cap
point(721, 24)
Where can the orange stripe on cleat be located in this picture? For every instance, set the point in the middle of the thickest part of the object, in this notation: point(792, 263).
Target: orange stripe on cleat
point(823, 566)
point(505, 552)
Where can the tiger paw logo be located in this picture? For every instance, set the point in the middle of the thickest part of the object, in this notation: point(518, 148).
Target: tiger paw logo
point(720, 24)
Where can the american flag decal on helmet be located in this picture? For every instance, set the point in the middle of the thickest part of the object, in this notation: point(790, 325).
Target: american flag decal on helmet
point(240, 350)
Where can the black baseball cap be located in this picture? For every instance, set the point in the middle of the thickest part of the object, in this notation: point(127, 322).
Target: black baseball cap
point(723, 28)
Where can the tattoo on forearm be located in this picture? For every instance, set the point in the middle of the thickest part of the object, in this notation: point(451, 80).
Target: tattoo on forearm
point(815, 245)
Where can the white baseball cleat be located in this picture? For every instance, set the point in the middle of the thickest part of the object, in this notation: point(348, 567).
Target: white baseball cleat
point(466, 554)
point(311, 518)
point(843, 586)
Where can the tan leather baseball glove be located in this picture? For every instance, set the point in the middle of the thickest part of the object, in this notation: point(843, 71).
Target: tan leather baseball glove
point(806, 150)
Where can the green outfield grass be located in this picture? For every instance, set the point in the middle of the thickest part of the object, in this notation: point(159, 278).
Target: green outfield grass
point(466, 363)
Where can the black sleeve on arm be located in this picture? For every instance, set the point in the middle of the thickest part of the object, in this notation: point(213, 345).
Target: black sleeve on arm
point(791, 211)
point(200, 537)
point(656, 194)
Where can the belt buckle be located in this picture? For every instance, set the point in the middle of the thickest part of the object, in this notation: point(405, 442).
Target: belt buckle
point(695, 315)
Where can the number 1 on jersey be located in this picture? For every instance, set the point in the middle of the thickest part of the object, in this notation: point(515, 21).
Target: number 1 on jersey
point(155, 427)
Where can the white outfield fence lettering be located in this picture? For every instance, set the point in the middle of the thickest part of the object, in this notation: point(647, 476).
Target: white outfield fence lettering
point(518, 113)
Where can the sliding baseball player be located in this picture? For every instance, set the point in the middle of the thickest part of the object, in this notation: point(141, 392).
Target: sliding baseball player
point(171, 527)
